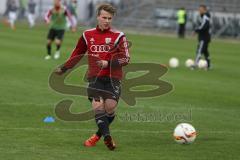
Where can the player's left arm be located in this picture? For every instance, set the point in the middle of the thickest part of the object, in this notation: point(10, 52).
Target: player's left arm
point(205, 23)
point(122, 56)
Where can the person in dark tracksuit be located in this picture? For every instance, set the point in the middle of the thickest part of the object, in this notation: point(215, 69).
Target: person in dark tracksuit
point(204, 35)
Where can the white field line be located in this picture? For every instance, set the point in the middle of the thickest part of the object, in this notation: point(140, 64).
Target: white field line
point(114, 130)
point(187, 107)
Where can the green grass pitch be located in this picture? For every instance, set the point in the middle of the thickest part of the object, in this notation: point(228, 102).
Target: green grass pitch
point(208, 100)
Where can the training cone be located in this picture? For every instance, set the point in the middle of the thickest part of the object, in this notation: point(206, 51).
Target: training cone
point(49, 119)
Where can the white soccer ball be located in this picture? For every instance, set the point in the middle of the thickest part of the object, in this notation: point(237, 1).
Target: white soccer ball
point(173, 62)
point(184, 133)
point(202, 64)
point(189, 63)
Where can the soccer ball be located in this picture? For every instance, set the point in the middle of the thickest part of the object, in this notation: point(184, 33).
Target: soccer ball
point(189, 63)
point(202, 64)
point(184, 133)
point(173, 62)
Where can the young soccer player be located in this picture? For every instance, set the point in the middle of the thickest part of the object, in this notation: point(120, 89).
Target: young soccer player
point(107, 51)
point(56, 17)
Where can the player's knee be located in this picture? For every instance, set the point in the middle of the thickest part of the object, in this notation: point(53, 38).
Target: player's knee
point(98, 105)
point(110, 106)
point(58, 42)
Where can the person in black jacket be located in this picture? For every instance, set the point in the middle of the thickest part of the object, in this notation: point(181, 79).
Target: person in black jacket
point(203, 30)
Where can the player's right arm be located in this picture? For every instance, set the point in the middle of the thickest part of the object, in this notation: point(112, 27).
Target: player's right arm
point(75, 57)
point(47, 16)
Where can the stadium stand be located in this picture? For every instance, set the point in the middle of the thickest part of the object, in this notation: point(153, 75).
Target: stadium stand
point(161, 15)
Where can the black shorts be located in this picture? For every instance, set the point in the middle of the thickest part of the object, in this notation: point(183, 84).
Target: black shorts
point(104, 87)
point(54, 33)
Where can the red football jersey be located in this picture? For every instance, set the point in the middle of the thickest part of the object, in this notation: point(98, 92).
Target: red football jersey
point(110, 45)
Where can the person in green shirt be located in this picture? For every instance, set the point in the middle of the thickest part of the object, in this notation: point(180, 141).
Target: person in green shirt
point(56, 18)
point(181, 20)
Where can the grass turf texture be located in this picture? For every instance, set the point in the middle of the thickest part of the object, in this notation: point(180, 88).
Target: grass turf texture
point(208, 100)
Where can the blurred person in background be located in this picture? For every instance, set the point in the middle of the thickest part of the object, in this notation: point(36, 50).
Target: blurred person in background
point(203, 30)
point(56, 18)
point(22, 8)
point(90, 9)
point(72, 8)
point(11, 14)
point(181, 20)
point(31, 13)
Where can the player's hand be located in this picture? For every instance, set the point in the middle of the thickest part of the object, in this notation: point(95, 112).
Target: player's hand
point(59, 71)
point(102, 64)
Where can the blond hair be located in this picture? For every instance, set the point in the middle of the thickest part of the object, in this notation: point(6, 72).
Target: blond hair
point(106, 7)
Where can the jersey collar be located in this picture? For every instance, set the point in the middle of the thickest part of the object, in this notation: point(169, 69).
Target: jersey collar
point(105, 30)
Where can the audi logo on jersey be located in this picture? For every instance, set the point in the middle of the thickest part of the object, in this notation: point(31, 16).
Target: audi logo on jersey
point(100, 48)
